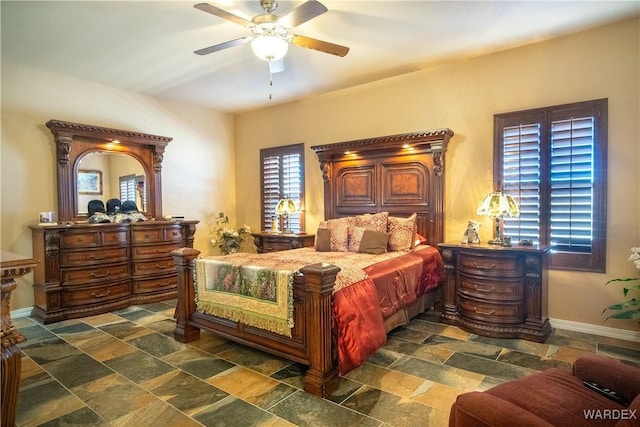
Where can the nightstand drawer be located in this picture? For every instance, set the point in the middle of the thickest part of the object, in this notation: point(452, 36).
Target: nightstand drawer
point(503, 290)
point(493, 266)
point(272, 242)
point(492, 313)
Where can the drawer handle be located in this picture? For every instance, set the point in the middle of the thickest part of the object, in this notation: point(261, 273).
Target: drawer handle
point(101, 295)
point(98, 276)
point(484, 266)
point(481, 289)
point(167, 265)
point(161, 284)
point(484, 313)
point(97, 257)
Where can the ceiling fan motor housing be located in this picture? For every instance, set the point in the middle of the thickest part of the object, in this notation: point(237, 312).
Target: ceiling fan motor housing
point(269, 6)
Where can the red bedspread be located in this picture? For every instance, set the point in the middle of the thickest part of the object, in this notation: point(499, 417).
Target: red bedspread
point(360, 308)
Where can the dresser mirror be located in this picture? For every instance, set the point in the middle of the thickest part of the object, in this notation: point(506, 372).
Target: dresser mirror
point(105, 175)
point(92, 161)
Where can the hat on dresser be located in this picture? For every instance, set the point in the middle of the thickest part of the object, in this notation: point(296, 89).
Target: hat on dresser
point(113, 206)
point(95, 206)
point(129, 206)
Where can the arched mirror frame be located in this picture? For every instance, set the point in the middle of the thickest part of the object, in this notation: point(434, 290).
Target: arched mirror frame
point(75, 140)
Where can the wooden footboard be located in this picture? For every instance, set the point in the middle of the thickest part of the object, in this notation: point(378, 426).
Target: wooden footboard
point(313, 342)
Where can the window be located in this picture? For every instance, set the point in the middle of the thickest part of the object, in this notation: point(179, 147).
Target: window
point(282, 176)
point(553, 161)
point(132, 188)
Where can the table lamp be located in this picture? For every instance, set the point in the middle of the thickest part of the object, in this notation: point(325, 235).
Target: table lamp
point(496, 205)
point(284, 208)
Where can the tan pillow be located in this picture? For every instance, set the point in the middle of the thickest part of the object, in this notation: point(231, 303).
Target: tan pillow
point(355, 237)
point(403, 232)
point(376, 222)
point(373, 242)
point(323, 240)
point(339, 233)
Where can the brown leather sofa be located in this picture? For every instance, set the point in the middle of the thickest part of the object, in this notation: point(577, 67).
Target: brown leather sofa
point(557, 397)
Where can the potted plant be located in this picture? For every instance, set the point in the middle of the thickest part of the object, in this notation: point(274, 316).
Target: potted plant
point(227, 238)
point(630, 309)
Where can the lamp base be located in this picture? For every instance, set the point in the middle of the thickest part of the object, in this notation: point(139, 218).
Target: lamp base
point(495, 242)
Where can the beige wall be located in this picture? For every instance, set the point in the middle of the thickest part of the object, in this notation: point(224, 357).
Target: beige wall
point(197, 173)
point(464, 96)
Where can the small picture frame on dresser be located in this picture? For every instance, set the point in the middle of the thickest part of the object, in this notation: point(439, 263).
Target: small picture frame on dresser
point(47, 218)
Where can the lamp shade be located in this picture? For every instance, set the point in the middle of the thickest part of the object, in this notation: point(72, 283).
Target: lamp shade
point(286, 207)
point(269, 48)
point(497, 205)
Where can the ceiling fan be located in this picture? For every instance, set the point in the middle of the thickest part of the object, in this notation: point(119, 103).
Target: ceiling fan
point(270, 34)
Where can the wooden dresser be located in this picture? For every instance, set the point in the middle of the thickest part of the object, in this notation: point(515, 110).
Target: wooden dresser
point(497, 291)
point(86, 269)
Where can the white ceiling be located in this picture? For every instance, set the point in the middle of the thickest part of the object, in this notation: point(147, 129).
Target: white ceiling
point(147, 46)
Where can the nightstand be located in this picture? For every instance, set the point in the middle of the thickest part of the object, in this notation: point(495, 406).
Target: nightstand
point(496, 291)
point(273, 242)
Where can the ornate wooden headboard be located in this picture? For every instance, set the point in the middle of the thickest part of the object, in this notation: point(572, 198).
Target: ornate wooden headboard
point(399, 174)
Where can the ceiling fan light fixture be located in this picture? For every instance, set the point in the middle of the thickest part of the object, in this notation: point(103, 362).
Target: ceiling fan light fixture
point(270, 48)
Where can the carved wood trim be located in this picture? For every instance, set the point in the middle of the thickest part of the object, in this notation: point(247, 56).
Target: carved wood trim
point(75, 140)
point(424, 148)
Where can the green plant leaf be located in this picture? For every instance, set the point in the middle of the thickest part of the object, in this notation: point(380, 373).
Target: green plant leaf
point(628, 279)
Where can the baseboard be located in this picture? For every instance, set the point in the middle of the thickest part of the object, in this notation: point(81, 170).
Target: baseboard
point(604, 331)
point(21, 312)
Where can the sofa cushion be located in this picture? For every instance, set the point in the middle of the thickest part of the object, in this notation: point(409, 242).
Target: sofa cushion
point(557, 397)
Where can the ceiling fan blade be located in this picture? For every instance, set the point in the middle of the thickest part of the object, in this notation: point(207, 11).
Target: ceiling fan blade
point(225, 45)
point(206, 7)
point(276, 66)
point(302, 14)
point(322, 46)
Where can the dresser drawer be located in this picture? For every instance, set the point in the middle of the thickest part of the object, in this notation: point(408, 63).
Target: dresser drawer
point(492, 266)
point(155, 284)
point(154, 251)
point(491, 313)
point(96, 294)
point(102, 272)
point(93, 238)
point(156, 266)
point(157, 234)
point(503, 290)
point(79, 258)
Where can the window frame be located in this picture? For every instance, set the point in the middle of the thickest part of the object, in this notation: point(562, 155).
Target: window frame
point(281, 151)
point(595, 260)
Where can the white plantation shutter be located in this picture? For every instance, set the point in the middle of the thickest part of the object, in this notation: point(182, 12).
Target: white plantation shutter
point(128, 187)
point(521, 179)
point(282, 177)
point(572, 167)
point(553, 162)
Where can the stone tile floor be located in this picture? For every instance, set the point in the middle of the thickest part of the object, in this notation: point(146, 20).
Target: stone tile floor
point(124, 368)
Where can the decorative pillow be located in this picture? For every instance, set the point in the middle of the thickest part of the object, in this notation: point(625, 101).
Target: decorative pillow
point(355, 237)
point(375, 222)
point(403, 232)
point(420, 240)
point(373, 242)
point(339, 233)
point(323, 240)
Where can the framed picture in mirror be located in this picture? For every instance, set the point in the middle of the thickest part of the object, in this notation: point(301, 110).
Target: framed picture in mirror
point(89, 182)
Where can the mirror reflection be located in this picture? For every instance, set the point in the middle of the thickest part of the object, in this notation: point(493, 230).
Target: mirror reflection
point(105, 175)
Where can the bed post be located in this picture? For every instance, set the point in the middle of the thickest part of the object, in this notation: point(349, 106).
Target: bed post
point(186, 306)
point(322, 377)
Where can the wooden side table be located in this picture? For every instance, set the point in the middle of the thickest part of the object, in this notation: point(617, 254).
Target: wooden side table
point(496, 291)
point(12, 266)
point(274, 242)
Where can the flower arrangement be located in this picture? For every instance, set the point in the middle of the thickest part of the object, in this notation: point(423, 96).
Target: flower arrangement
point(628, 310)
point(227, 238)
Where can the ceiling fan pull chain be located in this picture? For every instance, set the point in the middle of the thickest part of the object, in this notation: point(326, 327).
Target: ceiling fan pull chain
point(270, 79)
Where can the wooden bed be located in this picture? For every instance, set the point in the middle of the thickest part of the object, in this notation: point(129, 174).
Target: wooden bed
point(400, 174)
